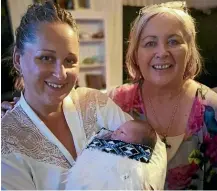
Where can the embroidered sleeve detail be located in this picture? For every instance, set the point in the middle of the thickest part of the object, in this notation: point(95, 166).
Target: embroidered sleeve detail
point(87, 102)
point(20, 135)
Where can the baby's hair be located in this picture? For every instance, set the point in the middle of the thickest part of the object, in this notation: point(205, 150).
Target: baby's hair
point(150, 139)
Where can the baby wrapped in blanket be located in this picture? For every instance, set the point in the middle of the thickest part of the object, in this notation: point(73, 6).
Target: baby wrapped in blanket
point(131, 158)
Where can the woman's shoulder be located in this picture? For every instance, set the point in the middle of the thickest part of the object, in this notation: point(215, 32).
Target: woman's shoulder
point(20, 136)
point(11, 126)
point(125, 88)
point(126, 96)
point(205, 108)
point(208, 95)
point(13, 117)
point(212, 98)
point(123, 92)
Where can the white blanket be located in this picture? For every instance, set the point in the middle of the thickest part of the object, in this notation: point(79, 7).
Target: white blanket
point(98, 170)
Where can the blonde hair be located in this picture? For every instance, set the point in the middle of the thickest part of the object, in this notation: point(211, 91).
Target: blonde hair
point(179, 10)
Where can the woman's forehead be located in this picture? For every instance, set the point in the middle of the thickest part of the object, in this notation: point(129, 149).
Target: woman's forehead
point(163, 24)
point(55, 36)
point(56, 31)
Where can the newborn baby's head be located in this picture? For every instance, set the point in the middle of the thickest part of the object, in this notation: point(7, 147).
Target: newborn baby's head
point(136, 131)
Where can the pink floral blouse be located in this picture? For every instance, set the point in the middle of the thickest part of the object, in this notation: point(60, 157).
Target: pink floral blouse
point(194, 165)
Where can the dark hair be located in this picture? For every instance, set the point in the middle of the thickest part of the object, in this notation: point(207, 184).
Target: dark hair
point(149, 138)
point(150, 141)
point(47, 12)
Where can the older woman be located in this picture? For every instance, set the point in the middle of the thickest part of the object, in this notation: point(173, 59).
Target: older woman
point(52, 122)
point(163, 60)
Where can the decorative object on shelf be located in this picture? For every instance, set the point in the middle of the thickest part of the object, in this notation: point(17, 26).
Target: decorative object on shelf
point(70, 5)
point(93, 59)
point(84, 35)
point(99, 34)
point(66, 4)
point(81, 4)
point(89, 60)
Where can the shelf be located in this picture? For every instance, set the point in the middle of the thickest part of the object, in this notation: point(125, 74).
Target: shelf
point(87, 15)
point(92, 40)
point(91, 66)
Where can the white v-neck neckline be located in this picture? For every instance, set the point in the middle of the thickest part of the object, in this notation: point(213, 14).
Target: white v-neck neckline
point(75, 124)
point(46, 131)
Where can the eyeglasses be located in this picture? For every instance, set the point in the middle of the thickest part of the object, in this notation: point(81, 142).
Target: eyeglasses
point(179, 5)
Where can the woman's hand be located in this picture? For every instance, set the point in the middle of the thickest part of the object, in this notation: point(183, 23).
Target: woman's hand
point(7, 106)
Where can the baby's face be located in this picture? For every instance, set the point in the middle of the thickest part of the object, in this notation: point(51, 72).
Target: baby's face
point(132, 132)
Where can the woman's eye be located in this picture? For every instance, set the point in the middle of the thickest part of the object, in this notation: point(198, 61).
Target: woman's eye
point(150, 44)
point(173, 42)
point(70, 61)
point(46, 58)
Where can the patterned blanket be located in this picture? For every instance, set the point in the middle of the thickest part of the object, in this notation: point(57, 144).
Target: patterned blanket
point(137, 152)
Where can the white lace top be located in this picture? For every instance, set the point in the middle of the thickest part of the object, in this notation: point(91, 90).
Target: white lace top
point(33, 158)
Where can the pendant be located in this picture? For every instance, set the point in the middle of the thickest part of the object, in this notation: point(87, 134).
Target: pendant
point(168, 146)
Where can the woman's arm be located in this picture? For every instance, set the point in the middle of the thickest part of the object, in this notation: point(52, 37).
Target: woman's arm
point(210, 141)
point(15, 175)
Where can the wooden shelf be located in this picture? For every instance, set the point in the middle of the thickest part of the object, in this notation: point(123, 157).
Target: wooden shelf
point(88, 15)
point(92, 40)
point(91, 66)
point(91, 22)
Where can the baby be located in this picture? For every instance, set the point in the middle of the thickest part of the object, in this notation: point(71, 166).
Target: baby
point(109, 160)
point(137, 132)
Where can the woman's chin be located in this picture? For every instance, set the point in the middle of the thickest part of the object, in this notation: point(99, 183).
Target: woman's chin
point(164, 81)
point(54, 100)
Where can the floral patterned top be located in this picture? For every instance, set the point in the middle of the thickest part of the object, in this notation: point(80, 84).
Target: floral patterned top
point(194, 165)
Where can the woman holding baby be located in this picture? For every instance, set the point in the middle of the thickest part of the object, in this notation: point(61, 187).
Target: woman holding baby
point(52, 122)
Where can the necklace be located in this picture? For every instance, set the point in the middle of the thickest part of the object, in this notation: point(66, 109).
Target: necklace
point(175, 108)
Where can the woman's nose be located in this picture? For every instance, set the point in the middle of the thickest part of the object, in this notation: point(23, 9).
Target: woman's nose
point(162, 51)
point(60, 72)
